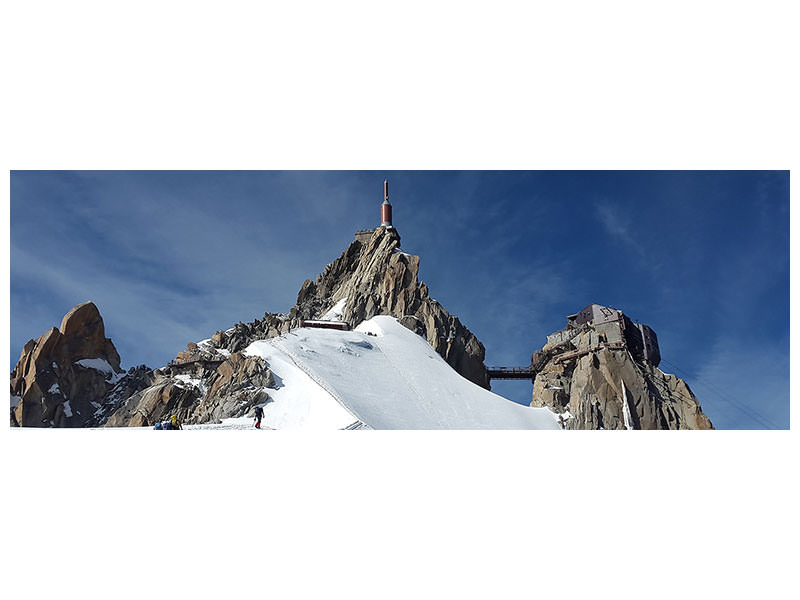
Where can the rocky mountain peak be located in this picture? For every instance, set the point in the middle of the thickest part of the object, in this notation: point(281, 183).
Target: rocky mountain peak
point(212, 379)
point(63, 377)
point(601, 372)
point(84, 335)
point(375, 277)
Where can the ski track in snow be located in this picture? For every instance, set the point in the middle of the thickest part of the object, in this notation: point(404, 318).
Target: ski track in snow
point(301, 400)
point(313, 376)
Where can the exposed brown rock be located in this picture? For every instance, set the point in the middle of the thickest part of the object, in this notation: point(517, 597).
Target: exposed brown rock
point(218, 339)
point(84, 333)
point(234, 390)
point(198, 394)
point(156, 403)
point(55, 391)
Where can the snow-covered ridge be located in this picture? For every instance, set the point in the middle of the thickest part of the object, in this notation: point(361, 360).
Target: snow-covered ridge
point(299, 401)
point(382, 375)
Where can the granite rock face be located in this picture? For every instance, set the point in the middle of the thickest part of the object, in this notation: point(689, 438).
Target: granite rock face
point(377, 278)
point(158, 402)
point(596, 384)
point(62, 378)
point(213, 386)
point(239, 384)
point(135, 380)
point(84, 335)
point(205, 383)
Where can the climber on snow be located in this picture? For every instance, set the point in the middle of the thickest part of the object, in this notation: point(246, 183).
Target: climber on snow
point(172, 423)
point(259, 416)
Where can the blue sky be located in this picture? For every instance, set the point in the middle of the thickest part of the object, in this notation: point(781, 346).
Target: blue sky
point(171, 257)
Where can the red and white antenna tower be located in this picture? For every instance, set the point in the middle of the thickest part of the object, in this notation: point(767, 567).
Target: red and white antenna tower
point(386, 208)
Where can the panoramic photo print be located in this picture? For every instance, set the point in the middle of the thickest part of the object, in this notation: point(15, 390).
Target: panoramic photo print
point(264, 300)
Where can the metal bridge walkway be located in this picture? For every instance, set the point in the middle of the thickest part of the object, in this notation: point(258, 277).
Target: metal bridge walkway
point(511, 372)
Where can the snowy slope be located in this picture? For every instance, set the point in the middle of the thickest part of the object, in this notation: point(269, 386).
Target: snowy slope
point(383, 375)
point(298, 402)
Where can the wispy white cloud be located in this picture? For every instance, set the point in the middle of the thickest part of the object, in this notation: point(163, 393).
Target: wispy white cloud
point(136, 313)
point(514, 317)
point(619, 225)
point(162, 270)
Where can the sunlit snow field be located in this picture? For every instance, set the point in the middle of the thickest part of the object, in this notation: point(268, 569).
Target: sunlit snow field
point(383, 375)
